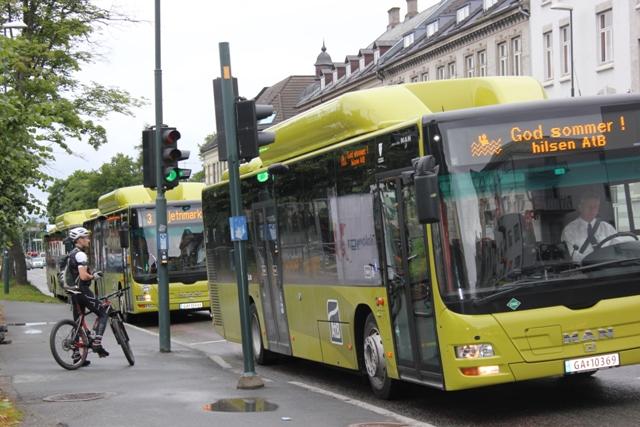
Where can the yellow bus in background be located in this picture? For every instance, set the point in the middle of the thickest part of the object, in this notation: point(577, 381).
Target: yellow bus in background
point(57, 246)
point(128, 215)
point(414, 232)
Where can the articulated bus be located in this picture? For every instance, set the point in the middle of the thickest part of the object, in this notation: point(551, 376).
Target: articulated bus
point(123, 239)
point(418, 232)
point(56, 247)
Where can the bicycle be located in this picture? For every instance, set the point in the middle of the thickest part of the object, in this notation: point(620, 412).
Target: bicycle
point(70, 338)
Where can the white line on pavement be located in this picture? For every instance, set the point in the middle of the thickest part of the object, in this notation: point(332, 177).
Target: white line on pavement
point(220, 361)
point(364, 405)
point(207, 342)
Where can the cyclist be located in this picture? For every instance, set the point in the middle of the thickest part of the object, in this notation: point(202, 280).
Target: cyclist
point(82, 276)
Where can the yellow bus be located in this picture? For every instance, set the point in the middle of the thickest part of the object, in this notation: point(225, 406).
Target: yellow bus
point(420, 232)
point(128, 215)
point(56, 247)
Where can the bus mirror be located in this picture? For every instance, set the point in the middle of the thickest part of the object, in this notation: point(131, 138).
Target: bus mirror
point(124, 235)
point(427, 192)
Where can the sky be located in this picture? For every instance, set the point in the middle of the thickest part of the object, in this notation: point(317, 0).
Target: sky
point(268, 41)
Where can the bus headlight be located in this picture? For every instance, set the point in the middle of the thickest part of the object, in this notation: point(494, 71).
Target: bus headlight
point(474, 351)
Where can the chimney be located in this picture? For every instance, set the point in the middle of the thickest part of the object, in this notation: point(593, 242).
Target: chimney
point(394, 17)
point(412, 9)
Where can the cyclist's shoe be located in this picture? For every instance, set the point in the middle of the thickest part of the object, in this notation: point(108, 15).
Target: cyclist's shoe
point(76, 357)
point(98, 348)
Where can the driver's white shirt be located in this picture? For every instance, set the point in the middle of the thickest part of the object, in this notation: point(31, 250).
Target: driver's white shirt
point(575, 233)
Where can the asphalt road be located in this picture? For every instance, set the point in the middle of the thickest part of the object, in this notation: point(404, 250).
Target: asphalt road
point(611, 397)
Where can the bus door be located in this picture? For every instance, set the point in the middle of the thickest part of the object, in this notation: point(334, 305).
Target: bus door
point(406, 274)
point(269, 265)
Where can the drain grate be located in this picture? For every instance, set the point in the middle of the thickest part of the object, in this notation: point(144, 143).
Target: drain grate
point(75, 397)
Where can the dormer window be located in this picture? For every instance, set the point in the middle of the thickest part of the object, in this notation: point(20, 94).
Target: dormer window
point(462, 14)
point(408, 40)
point(489, 3)
point(348, 68)
point(432, 28)
point(361, 63)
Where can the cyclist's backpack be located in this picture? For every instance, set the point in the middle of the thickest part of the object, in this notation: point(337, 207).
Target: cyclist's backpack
point(65, 278)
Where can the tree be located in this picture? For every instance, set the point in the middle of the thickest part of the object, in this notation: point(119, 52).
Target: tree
point(82, 189)
point(43, 104)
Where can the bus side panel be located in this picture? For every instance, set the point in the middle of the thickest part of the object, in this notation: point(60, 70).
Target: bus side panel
point(228, 294)
point(302, 312)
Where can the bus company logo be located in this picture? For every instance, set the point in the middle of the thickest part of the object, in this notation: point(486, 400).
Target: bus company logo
point(485, 147)
point(587, 335)
point(333, 314)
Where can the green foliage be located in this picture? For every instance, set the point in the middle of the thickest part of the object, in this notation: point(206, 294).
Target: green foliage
point(197, 177)
point(82, 189)
point(26, 292)
point(42, 104)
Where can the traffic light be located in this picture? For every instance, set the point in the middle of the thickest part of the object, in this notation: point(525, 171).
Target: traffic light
point(149, 174)
point(250, 137)
point(171, 155)
point(219, 109)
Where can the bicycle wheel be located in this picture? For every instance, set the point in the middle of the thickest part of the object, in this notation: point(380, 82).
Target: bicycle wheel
point(121, 336)
point(69, 344)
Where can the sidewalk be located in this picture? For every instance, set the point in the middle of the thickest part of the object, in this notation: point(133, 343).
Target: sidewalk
point(162, 389)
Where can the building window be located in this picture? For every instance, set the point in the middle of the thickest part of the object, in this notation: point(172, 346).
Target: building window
point(605, 37)
point(440, 72)
point(565, 52)
point(469, 66)
point(451, 69)
point(408, 40)
point(432, 28)
point(462, 14)
point(547, 42)
point(489, 3)
point(425, 76)
point(414, 79)
point(482, 63)
point(516, 55)
point(503, 59)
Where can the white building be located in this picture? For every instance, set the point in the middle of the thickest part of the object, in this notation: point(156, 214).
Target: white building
point(606, 42)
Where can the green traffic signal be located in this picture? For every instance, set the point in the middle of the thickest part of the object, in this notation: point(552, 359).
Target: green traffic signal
point(171, 176)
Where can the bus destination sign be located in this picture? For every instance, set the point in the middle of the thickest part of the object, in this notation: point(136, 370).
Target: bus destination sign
point(554, 136)
point(175, 215)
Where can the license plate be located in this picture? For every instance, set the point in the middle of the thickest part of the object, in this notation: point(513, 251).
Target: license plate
point(591, 363)
point(187, 305)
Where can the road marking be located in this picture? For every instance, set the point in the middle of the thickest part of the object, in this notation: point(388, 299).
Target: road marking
point(207, 342)
point(363, 405)
point(30, 323)
point(220, 361)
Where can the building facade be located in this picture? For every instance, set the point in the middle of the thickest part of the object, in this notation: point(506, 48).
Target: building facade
point(605, 42)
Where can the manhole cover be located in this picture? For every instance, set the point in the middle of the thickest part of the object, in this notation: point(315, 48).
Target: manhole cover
point(75, 397)
point(379, 424)
point(248, 404)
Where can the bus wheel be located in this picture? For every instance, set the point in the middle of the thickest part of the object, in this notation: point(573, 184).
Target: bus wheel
point(374, 360)
point(261, 354)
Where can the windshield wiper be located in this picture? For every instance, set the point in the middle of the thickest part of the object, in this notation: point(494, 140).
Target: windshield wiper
point(514, 286)
point(602, 264)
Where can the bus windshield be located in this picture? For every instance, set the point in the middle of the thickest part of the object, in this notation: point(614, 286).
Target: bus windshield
point(540, 210)
point(186, 244)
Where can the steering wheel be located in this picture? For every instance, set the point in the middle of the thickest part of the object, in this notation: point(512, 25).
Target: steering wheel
point(614, 236)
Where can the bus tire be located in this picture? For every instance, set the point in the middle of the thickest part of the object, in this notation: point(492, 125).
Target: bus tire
point(374, 360)
point(262, 355)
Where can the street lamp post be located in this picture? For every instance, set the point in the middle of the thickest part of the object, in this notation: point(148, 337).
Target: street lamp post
point(566, 7)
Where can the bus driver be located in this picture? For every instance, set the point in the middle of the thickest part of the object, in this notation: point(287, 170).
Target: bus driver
point(584, 233)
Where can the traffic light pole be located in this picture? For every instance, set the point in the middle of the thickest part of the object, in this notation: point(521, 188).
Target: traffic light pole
point(249, 378)
point(162, 238)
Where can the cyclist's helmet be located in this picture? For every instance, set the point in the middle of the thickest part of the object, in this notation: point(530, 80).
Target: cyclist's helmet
point(78, 232)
